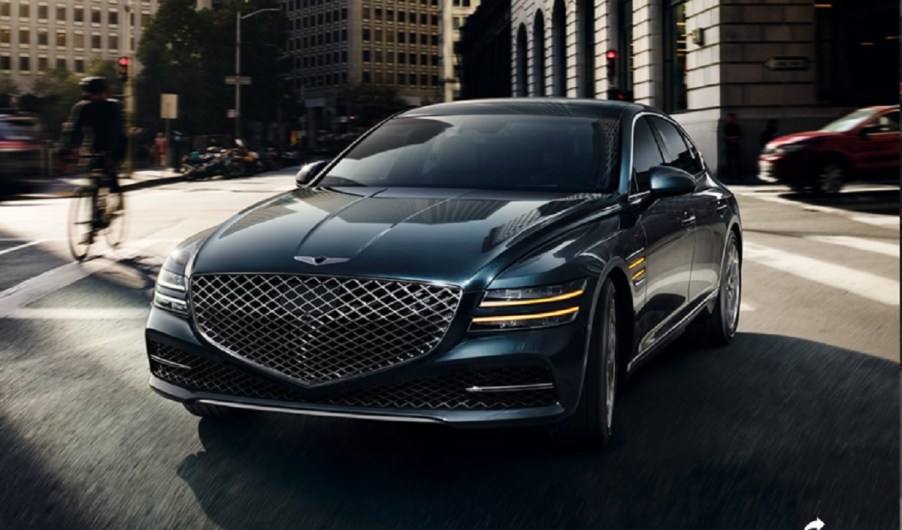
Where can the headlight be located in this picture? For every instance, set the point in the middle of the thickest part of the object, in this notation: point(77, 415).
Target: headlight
point(529, 307)
point(169, 293)
point(789, 148)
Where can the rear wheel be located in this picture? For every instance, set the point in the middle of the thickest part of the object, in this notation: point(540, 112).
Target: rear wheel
point(591, 424)
point(81, 224)
point(206, 410)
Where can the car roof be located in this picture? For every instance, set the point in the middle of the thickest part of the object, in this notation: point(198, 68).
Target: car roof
point(539, 106)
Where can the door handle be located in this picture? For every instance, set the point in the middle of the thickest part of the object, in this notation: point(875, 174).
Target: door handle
point(722, 206)
point(688, 219)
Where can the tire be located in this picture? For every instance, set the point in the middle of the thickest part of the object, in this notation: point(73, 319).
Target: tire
point(590, 426)
point(719, 326)
point(115, 229)
point(80, 227)
point(830, 178)
point(205, 410)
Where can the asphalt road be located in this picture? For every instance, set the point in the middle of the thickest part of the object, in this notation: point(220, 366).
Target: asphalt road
point(798, 419)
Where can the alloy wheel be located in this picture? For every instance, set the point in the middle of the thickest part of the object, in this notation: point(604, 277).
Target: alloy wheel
point(732, 284)
point(831, 178)
point(610, 362)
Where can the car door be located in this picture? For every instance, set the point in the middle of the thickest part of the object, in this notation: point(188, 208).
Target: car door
point(882, 141)
point(707, 205)
point(669, 243)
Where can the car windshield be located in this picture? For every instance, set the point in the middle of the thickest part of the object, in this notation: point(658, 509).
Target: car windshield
point(13, 130)
point(540, 153)
point(849, 121)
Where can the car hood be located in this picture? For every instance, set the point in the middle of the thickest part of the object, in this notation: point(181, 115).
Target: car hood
point(799, 137)
point(416, 234)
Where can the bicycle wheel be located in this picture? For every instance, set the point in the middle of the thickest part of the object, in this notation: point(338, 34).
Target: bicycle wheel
point(81, 229)
point(114, 220)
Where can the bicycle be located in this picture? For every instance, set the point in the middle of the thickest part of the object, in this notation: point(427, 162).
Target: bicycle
point(96, 209)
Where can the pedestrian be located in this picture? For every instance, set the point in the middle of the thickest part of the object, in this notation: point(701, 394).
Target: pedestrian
point(159, 149)
point(768, 134)
point(732, 134)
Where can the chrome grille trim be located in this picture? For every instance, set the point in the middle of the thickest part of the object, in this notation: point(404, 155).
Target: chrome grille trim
point(315, 330)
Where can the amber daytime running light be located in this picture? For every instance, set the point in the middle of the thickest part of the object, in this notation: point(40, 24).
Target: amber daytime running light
point(529, 307)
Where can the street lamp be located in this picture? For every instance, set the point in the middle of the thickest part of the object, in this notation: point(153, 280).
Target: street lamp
point(238, 18)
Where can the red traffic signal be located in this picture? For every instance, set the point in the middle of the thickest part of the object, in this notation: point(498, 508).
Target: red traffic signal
point(123, 68)
point(611, 55)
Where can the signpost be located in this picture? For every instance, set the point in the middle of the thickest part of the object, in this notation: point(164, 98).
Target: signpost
point(169, 110)
point(238, 80)
point(787, 64)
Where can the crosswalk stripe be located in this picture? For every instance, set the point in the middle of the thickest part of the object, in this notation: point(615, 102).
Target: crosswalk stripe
point(19, 247)
point(886, 221)
point(860, 243)
point(883, 221)
point(871, 286)
point(79, 313)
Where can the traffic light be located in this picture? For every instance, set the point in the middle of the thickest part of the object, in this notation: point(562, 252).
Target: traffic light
point(611, 56)
point(123, 69)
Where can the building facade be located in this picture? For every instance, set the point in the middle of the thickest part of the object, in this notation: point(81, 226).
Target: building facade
point(337, 45)
point(454, 14)
point(801, 62)
point(484, 51)
point(38, 36)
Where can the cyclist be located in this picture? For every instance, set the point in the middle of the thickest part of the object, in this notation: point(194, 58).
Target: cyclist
point(103, 116)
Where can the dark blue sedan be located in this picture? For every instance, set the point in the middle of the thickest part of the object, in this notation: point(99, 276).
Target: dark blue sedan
point(480, 263)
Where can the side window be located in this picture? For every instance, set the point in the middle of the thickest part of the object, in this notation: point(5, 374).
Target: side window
point(889, 122)
point(676, 150)
point(646, 155)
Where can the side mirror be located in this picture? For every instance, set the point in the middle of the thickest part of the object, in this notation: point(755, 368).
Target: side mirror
point(308, 171)
point(667, 181)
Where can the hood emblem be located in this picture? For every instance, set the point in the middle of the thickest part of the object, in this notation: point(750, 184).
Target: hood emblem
point(320, 260)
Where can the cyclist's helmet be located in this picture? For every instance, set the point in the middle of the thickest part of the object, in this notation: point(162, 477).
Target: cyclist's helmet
point(93, 85)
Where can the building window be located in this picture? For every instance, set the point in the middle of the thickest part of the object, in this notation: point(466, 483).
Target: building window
point(401, 36)
point(43, 64)
point(24, 64)
point(366, 76)
point(60, 64)
point(79, 66)
point(366, 56)
point(4, 12)
point(558, 49)
point(95, 16)
point(79, 14)
point(60, 13)
point(43, 37)
point(114, 18)
point(5, 36)
point(366, 34)
point(113, 42)
point(24, 37)
point(413, 58)
point(675, 55)
point(402, 16)
point(42, 12)
point(402, 58)
point(24, 12)
point(79, 40)
point(521, 61)
point(95, 42)
point(538, 55)
point(60, 39)
point(5, 63)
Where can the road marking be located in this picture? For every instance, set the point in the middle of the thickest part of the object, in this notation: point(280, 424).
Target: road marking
point(860, 243)
point(883, 221)
point(871, 286)
point(886, 221)
point(78, 313)
point(19, 247)
point(745, 308)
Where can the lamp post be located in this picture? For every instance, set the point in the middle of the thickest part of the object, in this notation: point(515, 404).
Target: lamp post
point(238, 18)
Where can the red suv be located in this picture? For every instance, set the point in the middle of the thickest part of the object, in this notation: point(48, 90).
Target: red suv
point(863, 143)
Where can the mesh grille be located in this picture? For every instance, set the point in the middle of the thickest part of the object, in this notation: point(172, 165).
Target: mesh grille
point(318, 330)
point(447, 392)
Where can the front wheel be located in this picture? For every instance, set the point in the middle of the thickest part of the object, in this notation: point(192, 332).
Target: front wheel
point(719, 326)
point(830, 178)
point(114, 220)
point(81, 221)
point(591, 424)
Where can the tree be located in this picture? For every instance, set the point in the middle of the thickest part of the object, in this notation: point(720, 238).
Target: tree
point(8, 90)
point(190, 52)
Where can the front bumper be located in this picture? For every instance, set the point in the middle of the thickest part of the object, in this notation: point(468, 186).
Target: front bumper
point(794, 169)
point(434, 388)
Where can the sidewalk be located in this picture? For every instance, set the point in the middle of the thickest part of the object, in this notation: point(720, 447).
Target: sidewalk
point(58, 187)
